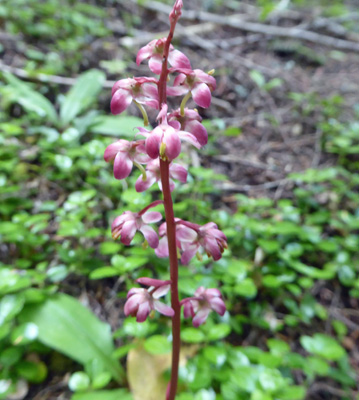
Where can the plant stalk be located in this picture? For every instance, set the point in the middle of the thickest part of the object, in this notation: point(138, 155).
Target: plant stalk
point(171, 232)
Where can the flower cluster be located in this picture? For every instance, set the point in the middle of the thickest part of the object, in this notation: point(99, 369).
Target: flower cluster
point(154, 153)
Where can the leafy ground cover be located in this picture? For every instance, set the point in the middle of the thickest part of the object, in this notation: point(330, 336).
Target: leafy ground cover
point(279, 176)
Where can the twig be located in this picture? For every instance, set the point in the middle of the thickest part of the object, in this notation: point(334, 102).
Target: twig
point(240, 22)
point(324, 387)
point(235, 159)
point(38, 77)
point(246, 188)
point(145, 37)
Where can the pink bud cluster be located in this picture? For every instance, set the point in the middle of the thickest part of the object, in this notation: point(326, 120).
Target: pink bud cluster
point(163, 143)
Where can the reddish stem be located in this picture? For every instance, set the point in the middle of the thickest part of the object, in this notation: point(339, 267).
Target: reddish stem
point(171, 231)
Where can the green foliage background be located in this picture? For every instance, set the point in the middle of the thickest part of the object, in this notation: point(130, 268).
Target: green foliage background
point(57, 197)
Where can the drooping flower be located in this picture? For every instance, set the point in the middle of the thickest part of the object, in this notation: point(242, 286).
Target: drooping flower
point(203, 302)
point(197, 82)
point(127, 224)
point(140, 302)
point(207, 237)
point(165, 141)
point(143, 90)
point(153, 175)
point(153, 52)
point(125, 154)
point(162, 248)
point(189, 122)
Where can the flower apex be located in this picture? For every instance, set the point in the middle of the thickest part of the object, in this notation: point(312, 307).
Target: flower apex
point(211, 72)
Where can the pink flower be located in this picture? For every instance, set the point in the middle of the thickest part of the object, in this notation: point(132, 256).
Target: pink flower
point(162, 248)
point(153, 175)
point(195, 81)
point(189, 122)
point(165, 141)
point(139, 89)
point(140, 302)
point(153, 52)
point(194, 237)
point(125, 153)
point(203, 302)
point(127, 224)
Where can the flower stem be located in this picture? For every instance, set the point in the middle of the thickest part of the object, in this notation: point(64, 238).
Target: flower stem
point(171, 230)
point(171, 235)
point(184, 101)
point(144, 113)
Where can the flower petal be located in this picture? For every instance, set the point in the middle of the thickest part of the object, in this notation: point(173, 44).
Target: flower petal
point(153, 143)
point(178, 60)
point(202, 95)
point(152, 282)
point(177, 91)
point(173, 143)
point(199, 131)
point(201, 317)
point(188, 137)
point(143, 311)
point(155, 64)
point(161, 291)
point(217, 305)
point(150, 235)
point(188, 254)
point(114, 148)
point(178, 172)
point(122, 165)
point(128, 232)
point(120, 101)
point(162, 248)
point(145, 52)
point(150, 217)
point(211, 246)
point(142, 185)
point(163, 309)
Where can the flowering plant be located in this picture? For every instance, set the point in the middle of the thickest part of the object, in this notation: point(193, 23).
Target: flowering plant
point(154, 156)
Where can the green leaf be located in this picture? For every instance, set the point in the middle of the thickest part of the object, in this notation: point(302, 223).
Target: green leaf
point(292, 393)
point(157, 344)
point(34, 372)
point(324, 346)
point(10, 306)
point(246, 288)
point(218, 332)
point(192, 335)
point(81, 95)
point(257, 77)
point(30, 99)
point(79, 381)
point(67, 326)
point(120, 126)
point(271, 380)
point(104, 272)
point(24, 333)
point(122, 394)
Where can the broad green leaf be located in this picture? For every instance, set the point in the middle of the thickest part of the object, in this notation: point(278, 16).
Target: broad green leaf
point(218, 331)
point(292, 393)
point(324, 346)
point(10, 306)
point(120, 126)
point(81, 95)
point(69, 327)
point(118, 394)
point(192, 335)
point(79, 381)
point(30, 99)
point(157, 344)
